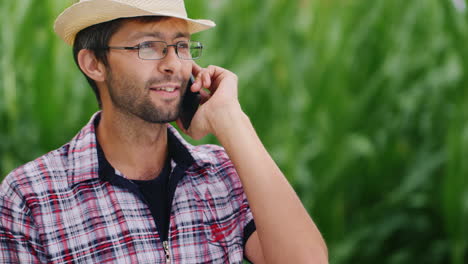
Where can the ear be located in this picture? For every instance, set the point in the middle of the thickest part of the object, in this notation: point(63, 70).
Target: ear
point(91, 66)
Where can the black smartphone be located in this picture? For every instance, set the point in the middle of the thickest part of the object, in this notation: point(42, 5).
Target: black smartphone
point(190, 103)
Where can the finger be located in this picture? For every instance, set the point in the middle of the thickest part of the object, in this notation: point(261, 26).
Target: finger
point(196, 86)
point(204, 96)
point(200, 79)
point(214, 76)
point(198, 83)
point(196, 71)
point(206, 77)
point(196, 68)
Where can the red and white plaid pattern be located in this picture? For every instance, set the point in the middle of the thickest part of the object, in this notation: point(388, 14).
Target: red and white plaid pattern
point(56, 209)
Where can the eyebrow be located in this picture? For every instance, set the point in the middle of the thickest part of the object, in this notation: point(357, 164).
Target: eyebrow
point(158, 35)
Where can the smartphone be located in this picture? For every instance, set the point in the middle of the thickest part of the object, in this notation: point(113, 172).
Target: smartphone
point(190, 103)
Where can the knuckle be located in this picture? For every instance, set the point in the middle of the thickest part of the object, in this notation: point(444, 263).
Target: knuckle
point(214, 68)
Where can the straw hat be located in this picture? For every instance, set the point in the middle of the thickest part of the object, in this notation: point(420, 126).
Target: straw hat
point(86, 13)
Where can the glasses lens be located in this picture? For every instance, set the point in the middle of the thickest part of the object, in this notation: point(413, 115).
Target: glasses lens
point(156, 50)
point(189, 50)
point(195, 49)
point(152, 50)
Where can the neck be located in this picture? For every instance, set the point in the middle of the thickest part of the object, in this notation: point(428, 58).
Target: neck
point(133, 146)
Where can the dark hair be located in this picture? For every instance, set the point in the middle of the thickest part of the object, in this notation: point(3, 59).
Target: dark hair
point(96, 37)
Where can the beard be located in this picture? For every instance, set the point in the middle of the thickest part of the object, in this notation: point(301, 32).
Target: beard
point(131, 99)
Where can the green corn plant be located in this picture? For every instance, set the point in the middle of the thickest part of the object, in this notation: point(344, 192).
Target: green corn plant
point(363, 105)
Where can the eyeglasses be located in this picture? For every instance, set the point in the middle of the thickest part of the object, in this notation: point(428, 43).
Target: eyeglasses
point(157, 50)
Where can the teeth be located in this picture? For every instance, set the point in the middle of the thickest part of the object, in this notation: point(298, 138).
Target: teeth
point(166, 89)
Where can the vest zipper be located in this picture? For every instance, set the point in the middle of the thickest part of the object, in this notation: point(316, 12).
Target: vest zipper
point(166, 250)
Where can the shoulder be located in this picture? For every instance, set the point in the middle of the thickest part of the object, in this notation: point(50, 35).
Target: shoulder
point(34, 176)
point(52, 171)
point(209, 154)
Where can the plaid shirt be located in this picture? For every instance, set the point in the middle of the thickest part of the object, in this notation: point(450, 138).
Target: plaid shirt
point(57, 209)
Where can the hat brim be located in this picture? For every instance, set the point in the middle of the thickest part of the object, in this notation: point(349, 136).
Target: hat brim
point(83, 14)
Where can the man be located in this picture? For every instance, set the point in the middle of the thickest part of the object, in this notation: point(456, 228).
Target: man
point(128, 188)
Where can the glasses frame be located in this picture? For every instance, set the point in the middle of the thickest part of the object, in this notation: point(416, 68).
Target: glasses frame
point(176, 47)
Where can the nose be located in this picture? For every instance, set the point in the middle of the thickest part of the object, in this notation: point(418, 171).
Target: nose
point(171, 62)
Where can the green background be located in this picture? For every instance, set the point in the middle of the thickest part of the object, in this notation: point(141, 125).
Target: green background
point(363, 104)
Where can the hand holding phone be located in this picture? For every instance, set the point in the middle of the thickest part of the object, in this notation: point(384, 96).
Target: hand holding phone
point(190, 103)
point(217, 89)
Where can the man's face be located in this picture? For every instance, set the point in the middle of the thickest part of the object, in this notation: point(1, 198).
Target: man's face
point(149, 89)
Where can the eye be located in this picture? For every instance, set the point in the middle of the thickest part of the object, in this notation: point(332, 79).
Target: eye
point(183, 45)
point(146, 45)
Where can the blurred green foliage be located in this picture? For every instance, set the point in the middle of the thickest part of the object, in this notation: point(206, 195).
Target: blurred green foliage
point(363, 104)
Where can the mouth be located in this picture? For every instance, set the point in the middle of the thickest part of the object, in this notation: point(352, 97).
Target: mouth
point(166, 91)
point(165, 86)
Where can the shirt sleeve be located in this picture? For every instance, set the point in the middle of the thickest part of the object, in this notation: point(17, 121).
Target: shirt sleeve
point(248, 231)
point(249, 225)
point(19, 242)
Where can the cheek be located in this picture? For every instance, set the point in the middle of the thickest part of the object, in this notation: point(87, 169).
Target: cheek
point(130, 68)
point(140, 71)
point(135, 77)
point(126, 81)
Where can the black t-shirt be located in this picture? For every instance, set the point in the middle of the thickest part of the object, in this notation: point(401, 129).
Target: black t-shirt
point(156, 194)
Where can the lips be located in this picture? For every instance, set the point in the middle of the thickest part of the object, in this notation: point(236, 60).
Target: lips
point(165, 89)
